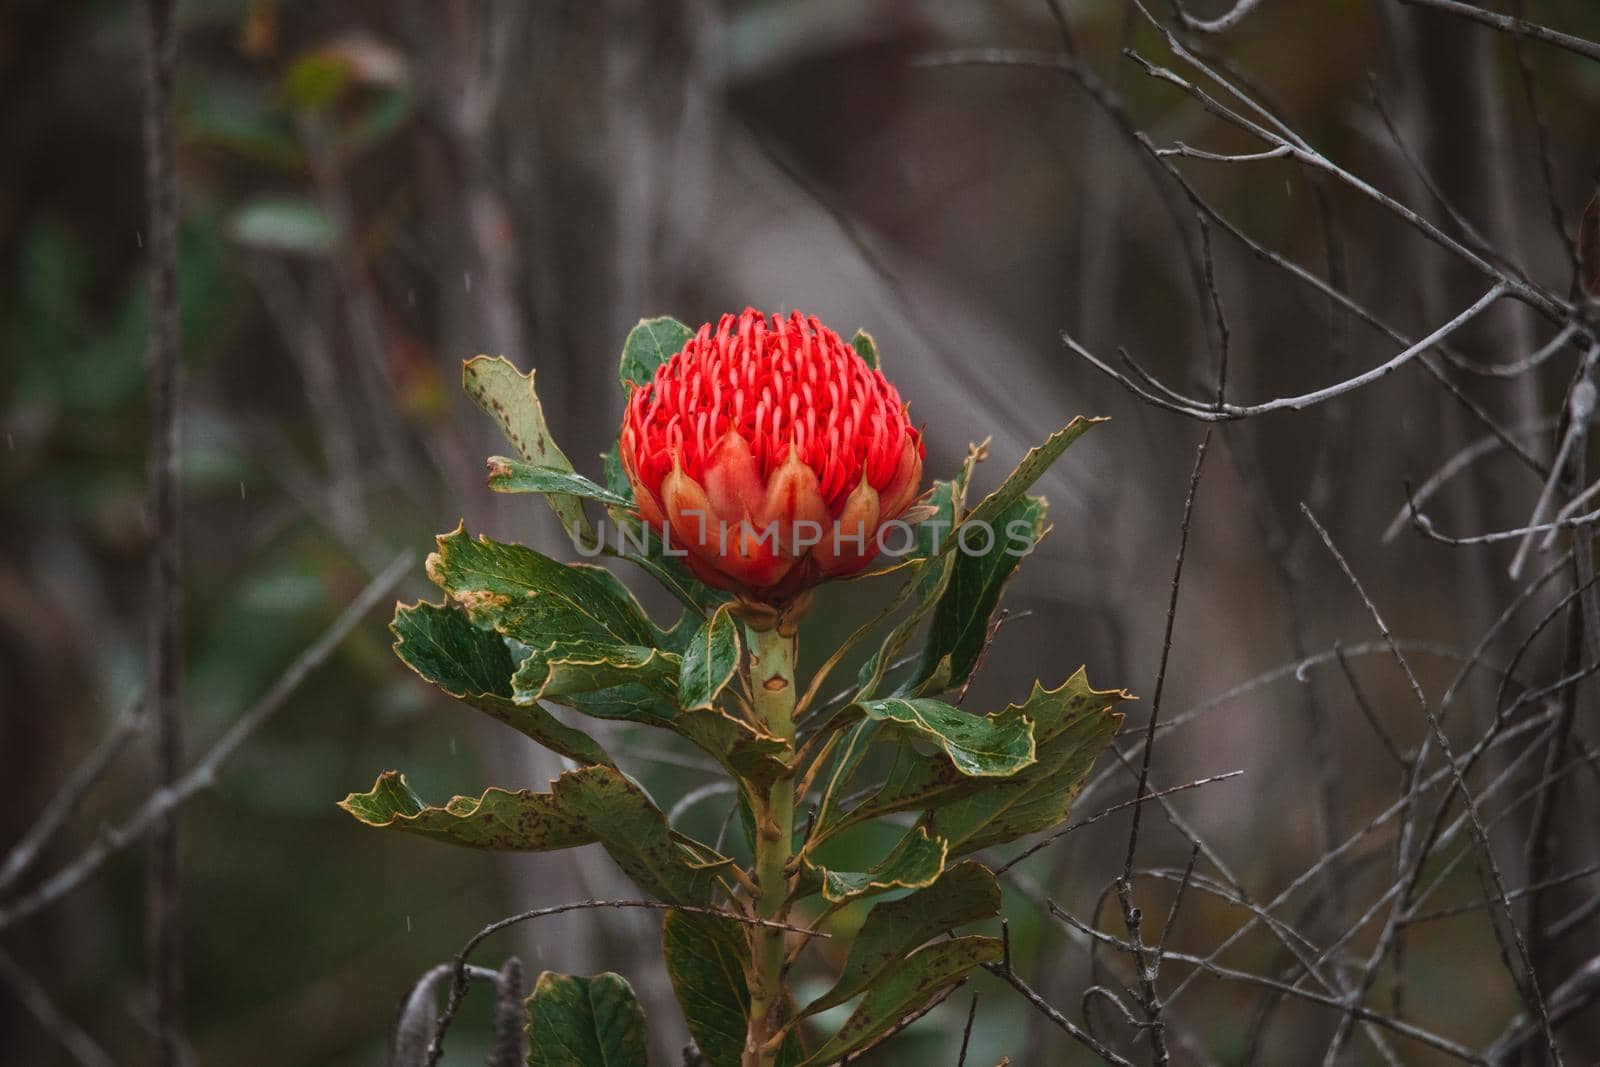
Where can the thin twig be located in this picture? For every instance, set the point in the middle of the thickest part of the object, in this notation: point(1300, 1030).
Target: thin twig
point(1480, 837)
point(1044, 1008)
point(1166, 652)
point(1073, 827)
point(203, 774)
point(966, 1031)
point(128, 723)
point(1222, 412)
point(67, 1033)
point(1520, 27)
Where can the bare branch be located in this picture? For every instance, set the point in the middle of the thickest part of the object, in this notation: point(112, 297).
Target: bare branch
point(1506, 24)
point(83, 778)
point(1203, 412)
point(203, 774)
point(68, 1034)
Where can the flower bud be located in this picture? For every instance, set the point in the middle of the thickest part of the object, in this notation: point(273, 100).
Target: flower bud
point(771, 453)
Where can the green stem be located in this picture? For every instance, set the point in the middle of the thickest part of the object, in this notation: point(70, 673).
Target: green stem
point(772, 657)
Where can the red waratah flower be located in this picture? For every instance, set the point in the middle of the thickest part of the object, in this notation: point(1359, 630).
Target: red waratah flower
point(771, 453)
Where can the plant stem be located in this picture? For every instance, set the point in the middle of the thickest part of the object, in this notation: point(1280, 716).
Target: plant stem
point(772, 657)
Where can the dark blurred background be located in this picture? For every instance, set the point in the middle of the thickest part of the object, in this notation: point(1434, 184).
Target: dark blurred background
point(372, 192)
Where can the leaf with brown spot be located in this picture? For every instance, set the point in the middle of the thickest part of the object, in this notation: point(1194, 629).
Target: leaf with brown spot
point(1072, 724)
point(635, 833)
point(475, 667)
point(532, 598)
point(508, 396)
point(915, 861)
point(753, 756)
point(965, 893)
point(706, 959)
point(499, 820)
point(904, 990)
point(585, 1022)
point(514, 476)
point(604, 679)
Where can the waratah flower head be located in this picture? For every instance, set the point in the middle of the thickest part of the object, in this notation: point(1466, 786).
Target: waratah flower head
point(771, 453)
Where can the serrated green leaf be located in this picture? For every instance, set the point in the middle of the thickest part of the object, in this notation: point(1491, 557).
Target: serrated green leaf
point(532, 598)
point(965, 893)
point(585, 1022)
point(750, 755)
point(569, 669)
point(960, 625)
point(866, 348)
point(710, 661)
point(650, 344)
point(523, 821)
point(706, 959)
point(508, 475)
point(903, 990)
point(507, 396)
point(1033, 465)
point(914, 862)
point(978, 746)
point(635, 833)
point(475, 667)
point(1072, 724)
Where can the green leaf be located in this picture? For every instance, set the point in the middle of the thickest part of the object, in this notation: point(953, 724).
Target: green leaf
point(923, 587)
point(650, 344)
point(635, 833)
point(866, 348)
point(669, 570)
point(845, 762)
point(978, 746)
point(523, 821)
point(569, 669)
point(508, 397)
point(514, 476)
point(706, 959)
point(710, 661)
point(903, 991)
point(616, 477)
point(913, 863)
point(585, 1022)
point(295, 227)
point(475, 667)
point(960, 627)
point(965, 893)
point(750, 755)
point(934, 565)
point(532, 598)
point(1033, 465)
point(1071, 726)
